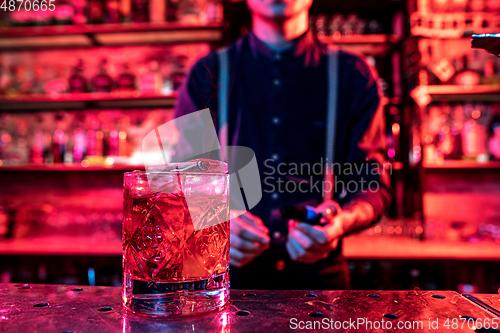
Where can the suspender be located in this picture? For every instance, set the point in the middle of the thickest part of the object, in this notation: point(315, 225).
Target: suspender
point(223, 55)
point(331, 122)
point(331, 119)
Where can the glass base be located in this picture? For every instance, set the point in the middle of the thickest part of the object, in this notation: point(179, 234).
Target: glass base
point(175, 299)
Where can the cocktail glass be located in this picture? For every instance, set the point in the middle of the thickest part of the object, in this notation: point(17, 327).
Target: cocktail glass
point(176, 241)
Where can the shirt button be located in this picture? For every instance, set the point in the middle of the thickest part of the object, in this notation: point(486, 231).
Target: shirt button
point(275, 157)
point(276, 120)
point(276, 82)
point(277, 56)
point(280, 265)
point(276, 235)
point(275, 196)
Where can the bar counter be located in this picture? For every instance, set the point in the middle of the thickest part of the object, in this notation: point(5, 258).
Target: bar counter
point(64, 308)
point(355, 247)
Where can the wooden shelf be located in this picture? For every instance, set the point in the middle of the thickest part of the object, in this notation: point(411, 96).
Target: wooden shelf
point(483, 93)
point(71, 167)
point(446, 165)
point(86, 101)
point(60, 246)
point(373, 45)
point(394, 248)
point(108, 35)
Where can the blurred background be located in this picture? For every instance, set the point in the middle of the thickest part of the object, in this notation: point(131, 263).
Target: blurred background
point(83, 81)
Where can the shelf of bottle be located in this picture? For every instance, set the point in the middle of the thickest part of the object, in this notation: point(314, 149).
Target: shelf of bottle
point(461, 93)
point(373, 45)
point(108, 35)
point(452, 25)
point(86, 100)
point(360, 39)
point(464, 165)
point(61, 246)
point(71, 167)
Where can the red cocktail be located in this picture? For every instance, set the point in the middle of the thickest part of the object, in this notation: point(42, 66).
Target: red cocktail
point(175, 242)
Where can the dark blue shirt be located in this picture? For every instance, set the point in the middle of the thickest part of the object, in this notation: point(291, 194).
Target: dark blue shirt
point(277, 106)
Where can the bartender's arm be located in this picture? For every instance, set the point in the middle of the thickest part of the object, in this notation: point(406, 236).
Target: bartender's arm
point(309, 244)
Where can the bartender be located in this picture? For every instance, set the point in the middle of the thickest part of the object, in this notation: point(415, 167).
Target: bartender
point(299, 105)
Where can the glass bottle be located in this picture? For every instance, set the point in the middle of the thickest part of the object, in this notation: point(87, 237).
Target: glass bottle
point(151, 81)
point(126, 80)
point(102, 82)
point(80, 11)
point(467, 77)
point(173, 10)
point(38, 84)
point(179, 72)
point(96, 11)
point(140, 10)
point(77, 83)
point(112, 11)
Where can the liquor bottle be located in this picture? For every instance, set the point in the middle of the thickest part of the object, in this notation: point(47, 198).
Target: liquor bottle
point(157, 11)
point(77, 82)
point(21, 18)
point(37, 154)
point(374, 27)
point(336, 25)
point(214, 11)
point(38, 84)
point(474, 134)
point(113, 144)
point(79, 144)
point(467, 77)
point(63, 13)
point(126, 11)
point(349, 26)
point(80, 10)
point(456, 135)
point(102, 82)
point(151, 81)
point(179, 72)
point(56, 82)
point(59, 146)
point(112, 11)
point(173, 10)
point(18, 85)
point(91, 144)
point(494, 135)
point(96, 11)
point(42, 17)
point(490, 76)
point(492, 6)
point(189, 11)
point(140, 10)
point(126, 80)
point(440, 6)
point(458, 6)
point(321, 25)
point(5, 79)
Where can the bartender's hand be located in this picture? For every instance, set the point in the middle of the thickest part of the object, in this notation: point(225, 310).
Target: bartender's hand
point(249, 238)
point(310, 243)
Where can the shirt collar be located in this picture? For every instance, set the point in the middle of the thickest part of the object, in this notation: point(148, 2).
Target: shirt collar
point(302, 44)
